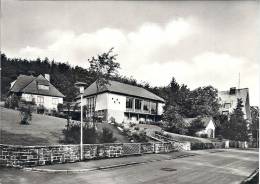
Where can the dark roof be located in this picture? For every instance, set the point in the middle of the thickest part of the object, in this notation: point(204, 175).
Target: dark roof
point(122, 88)
point(29, 84)
point(205, 121)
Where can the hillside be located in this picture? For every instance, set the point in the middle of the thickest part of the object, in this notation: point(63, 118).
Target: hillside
point(44, 130)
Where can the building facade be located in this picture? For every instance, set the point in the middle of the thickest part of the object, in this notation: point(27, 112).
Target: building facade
point(123, 102)
point(37, 89)
point(228, 101)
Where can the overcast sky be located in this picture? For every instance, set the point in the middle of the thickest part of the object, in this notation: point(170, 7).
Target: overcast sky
point(198, 43)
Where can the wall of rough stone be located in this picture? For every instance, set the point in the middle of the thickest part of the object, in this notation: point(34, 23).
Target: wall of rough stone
point(29, 156)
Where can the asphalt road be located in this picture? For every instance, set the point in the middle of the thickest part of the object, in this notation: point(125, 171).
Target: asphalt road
point(228, 167)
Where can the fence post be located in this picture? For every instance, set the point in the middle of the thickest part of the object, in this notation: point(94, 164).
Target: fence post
point(140, 148)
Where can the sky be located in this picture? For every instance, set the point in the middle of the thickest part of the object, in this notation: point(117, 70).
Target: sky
point(199, 43)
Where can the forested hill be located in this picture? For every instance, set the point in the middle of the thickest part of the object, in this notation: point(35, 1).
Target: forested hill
point(63, 76)
point(180, 100)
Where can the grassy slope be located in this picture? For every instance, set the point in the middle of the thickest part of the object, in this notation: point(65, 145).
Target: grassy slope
point(44, 130)
point(116, 132)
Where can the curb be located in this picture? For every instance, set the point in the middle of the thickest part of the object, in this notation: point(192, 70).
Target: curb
point(102, 167)
point(82, 170)
point(250, 178)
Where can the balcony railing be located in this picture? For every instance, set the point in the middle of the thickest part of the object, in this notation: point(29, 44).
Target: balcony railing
point(140, 111)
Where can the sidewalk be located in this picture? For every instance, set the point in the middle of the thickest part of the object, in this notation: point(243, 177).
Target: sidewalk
point(91, 165)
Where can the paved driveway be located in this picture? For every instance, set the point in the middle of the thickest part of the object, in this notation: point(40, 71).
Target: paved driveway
point(230, 166)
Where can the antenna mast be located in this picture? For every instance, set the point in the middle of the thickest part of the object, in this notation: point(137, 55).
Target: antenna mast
point(238, 80)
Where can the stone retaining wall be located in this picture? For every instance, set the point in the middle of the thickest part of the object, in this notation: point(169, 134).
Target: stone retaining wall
point(29, 156)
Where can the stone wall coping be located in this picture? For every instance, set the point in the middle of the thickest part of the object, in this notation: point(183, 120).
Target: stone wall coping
point(73, 145)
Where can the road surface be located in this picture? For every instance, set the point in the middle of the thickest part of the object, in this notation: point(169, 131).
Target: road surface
point(207, 167)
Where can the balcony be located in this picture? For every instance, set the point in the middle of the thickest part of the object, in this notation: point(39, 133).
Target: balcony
point(140, 111)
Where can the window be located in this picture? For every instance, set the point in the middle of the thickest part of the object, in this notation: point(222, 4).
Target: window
point(43, 87)
point(90, 106)
point(55, 101)
point(227, 105)
point(146, 106)
point(153, 108)
point(225, 112)
point(40, 99)
point(129, 103)
point(138, 104)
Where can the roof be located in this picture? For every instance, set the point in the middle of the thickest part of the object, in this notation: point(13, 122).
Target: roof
point(29, 84)
point(205, 120)
point(225, 96)
point(122, 88)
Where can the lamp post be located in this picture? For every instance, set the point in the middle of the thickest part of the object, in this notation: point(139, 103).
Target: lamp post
point(81, 86)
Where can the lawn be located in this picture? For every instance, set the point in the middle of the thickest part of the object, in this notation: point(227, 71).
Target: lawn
point(43, 130)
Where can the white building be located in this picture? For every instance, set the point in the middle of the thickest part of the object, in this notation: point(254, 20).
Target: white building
point(228, 101)
point(124, 102)
point(37, 89)
point(208, 126)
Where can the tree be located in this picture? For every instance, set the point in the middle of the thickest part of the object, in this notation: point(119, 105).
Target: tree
point(237, 128)
point(25, 108)
point(104, 67)
point(255, 123)
point(222, 125)
point(174, 119)
point(203, 102)
point(12, 102)
point(195, 126)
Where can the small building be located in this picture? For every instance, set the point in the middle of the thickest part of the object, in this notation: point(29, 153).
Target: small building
point(37, 89)
point(208, 126)
point(123, 102)
point(228, 101)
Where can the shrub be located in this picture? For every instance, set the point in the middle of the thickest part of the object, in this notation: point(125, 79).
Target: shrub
point(204, 135)
point(137, 128)
point(112, 120)
point(72, 134)
point(25, 109)
point(106, 136)
point(60, 107)
point(140, 137)
point(195, 126)
point(201, 145)
point(12, 102)
point(41, 109)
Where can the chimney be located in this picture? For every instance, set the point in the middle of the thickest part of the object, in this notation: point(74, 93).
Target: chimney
point(232, 91)
point(47, 76)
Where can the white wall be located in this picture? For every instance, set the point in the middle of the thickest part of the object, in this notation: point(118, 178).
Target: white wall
point(160, 108)
point(48, 101)
point(12, 83)
point(210, 126)
point(116, 102)
point(116, 107)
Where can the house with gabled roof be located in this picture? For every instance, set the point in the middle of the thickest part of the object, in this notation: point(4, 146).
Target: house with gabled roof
point(208, 126)
point(228, 101)
point(37, 89)
point(123, 102)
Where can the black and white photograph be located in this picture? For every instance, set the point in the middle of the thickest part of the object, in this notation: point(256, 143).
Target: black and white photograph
point(129, 92)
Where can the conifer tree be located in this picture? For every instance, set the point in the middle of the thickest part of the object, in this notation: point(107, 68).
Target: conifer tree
point(237, 128)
